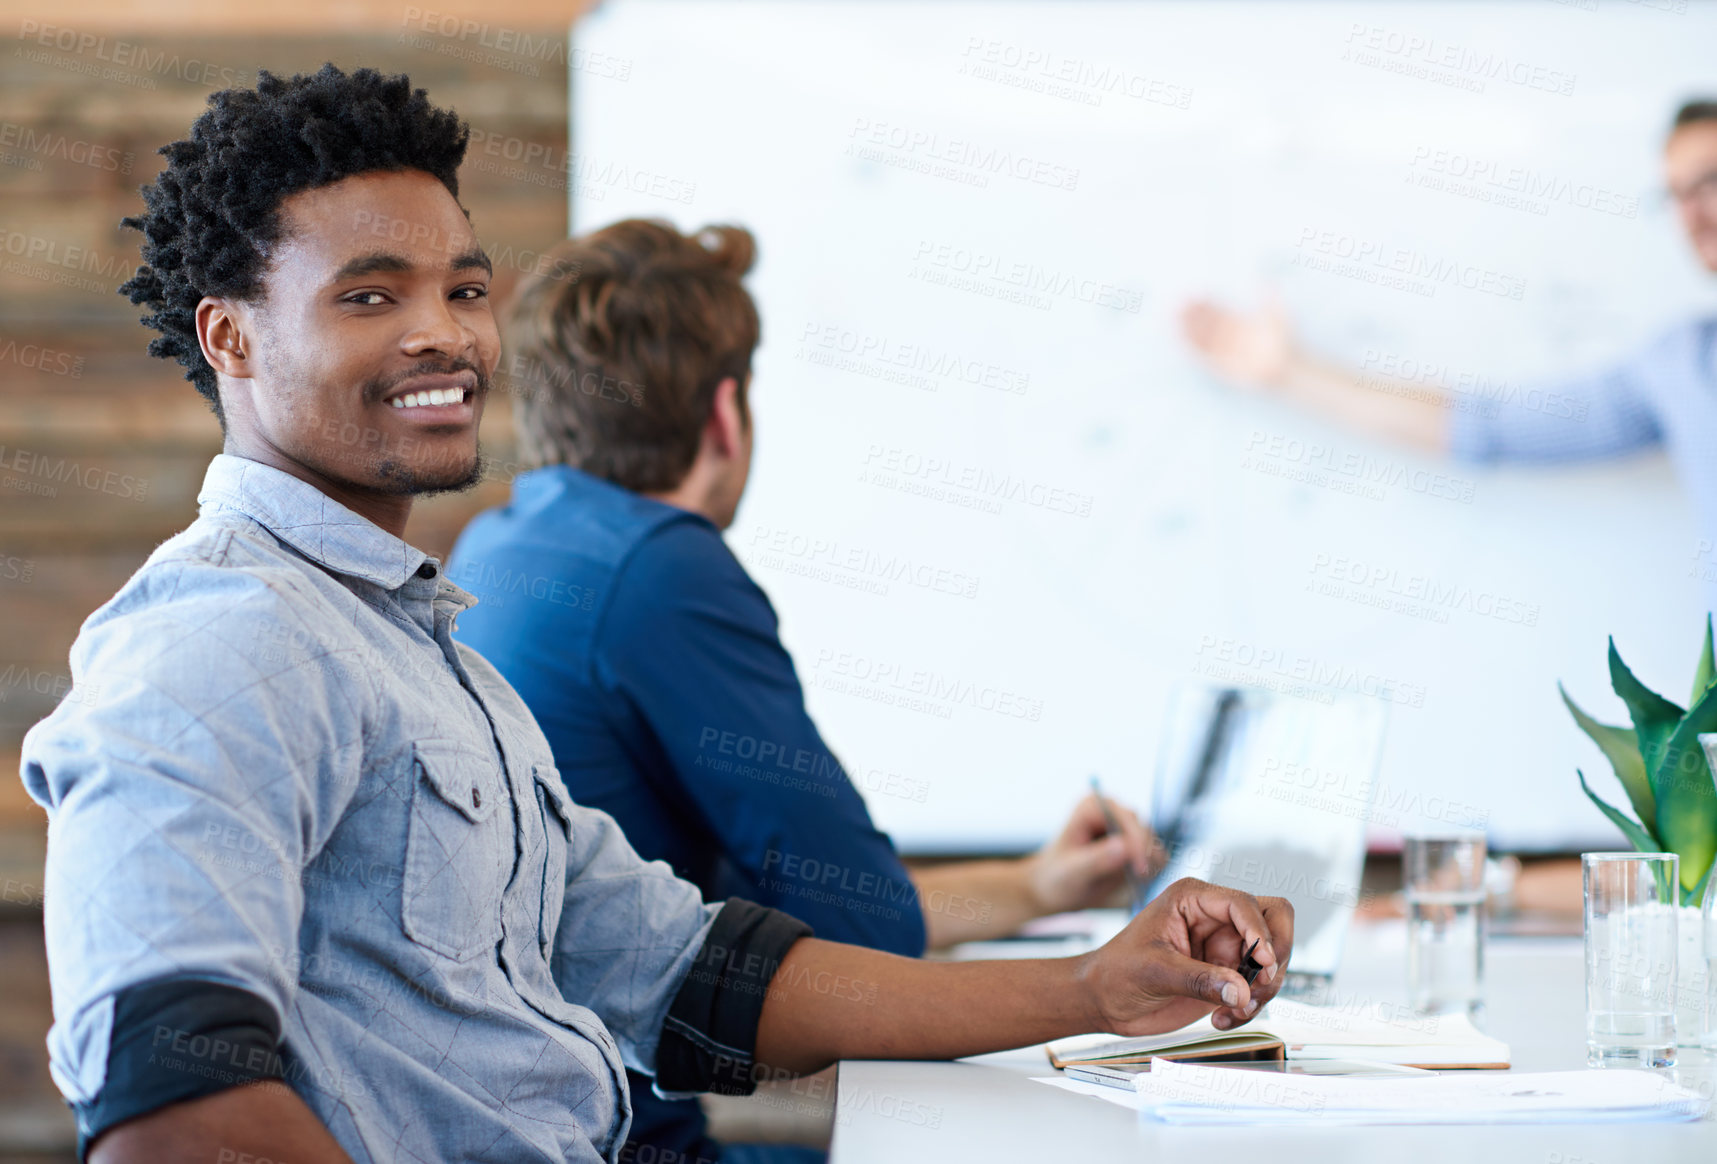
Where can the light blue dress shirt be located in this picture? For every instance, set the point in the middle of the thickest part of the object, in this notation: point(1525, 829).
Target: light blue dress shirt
point(1666, 394)
point(278, 771)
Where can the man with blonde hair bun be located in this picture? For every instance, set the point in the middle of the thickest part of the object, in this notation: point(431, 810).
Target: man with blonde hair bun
point(653, 660)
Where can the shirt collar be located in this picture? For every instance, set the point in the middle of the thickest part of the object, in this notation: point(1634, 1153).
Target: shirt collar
point(310, 521)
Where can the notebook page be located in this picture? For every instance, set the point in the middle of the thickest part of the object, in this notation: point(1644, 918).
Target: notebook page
point(1373, 1024)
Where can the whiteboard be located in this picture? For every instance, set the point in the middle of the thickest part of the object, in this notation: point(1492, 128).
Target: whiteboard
point(999, 507)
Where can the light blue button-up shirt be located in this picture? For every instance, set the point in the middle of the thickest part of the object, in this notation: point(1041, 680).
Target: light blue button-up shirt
point(1666, 393)
point(288, 777)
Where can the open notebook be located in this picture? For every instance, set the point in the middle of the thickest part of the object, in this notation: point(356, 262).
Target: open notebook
point(1287, 1029)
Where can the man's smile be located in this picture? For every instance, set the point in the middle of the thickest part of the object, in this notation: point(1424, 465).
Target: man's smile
point(436, 398)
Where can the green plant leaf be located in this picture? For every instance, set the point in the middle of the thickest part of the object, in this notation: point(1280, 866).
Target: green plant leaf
point(1696, 895)
point(1621, 746)
point(1654, 718)
point(1686, 794)
point(1637, 837)
point(1707, 669)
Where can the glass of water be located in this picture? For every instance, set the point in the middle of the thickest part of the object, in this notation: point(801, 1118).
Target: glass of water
point(1443, 878)
point(1631, 938)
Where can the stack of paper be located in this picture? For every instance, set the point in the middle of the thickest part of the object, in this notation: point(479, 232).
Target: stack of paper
point(1188, 1093)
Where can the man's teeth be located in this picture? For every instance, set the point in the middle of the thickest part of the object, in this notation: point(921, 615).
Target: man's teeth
point(433, 396)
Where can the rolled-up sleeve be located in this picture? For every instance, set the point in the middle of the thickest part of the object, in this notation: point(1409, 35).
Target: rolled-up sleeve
point(186, 780)
point(1601, 415)
point(709, 1042)
point(679, 983)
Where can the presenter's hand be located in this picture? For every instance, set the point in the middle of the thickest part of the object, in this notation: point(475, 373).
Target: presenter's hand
point(1255, 351)
point(1085, 867)
point(1177, 961)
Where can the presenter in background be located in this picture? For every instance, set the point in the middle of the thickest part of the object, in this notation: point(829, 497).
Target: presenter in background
point(1664, 394)
point(653, 661)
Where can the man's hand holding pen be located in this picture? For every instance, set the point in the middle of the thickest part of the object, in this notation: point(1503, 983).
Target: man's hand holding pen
point(1103, 850)
point(1186, 956)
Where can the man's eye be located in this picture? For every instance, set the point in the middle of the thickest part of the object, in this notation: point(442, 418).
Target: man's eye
point(475, 292)
point(361, 298)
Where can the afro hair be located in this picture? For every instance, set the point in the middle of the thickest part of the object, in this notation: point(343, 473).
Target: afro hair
point(214, 212)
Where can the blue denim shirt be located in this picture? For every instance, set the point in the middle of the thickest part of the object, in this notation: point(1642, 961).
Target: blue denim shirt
point(289, 778)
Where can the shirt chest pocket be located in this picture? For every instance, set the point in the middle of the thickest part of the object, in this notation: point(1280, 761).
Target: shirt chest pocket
point(459, 850)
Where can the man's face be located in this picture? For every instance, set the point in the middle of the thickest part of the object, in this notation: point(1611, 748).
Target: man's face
point(1690, 169)
point(375, 340)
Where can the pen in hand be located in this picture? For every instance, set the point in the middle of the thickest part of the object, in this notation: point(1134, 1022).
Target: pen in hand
point(1135, 887)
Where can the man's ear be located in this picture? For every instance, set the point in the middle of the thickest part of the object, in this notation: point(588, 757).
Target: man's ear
point(726, 427)
point(225, 333)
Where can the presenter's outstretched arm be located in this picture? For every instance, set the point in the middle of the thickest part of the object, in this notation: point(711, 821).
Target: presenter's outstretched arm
point(1259, 351)
point(1176, 962)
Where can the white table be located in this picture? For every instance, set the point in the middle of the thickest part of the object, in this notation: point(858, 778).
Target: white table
point(988, 1108)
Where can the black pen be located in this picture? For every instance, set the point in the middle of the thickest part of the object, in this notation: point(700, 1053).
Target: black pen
point(1250, 967)
point(1134, 885)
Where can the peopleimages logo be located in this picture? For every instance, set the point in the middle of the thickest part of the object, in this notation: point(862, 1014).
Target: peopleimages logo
point(965, 268)
point(1488, 180)
point(1427, 58)
point(1337, 573)
point(893, 681)
point(1055, 74)
point(122, 61)
point(1256, 664)
point(1374, 261)
point(1461, 390)
point(109, 270)
point(1349, 793)
point(59, 147)
point(931, 152)
point(854, 567)
point(42, 474)
point(828, 343)
point(1360, 467)
point(975, 486)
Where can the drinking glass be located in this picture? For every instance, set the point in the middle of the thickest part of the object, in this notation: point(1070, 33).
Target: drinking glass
point(1705, 974)
point(1631, 939)
point(1444, 882)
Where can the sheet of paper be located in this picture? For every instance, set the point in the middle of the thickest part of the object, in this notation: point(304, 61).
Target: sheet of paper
point(1189, 1093)
point(1182, 1093)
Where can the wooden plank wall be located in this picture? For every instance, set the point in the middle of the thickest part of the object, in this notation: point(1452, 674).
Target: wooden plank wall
point(102, 447)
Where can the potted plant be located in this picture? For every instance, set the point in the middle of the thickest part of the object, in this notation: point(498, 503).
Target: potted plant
point(1663, 769)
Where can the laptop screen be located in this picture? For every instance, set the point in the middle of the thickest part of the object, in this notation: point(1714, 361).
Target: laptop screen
point(1271, 794)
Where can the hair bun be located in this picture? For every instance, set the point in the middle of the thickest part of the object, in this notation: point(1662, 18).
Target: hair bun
point(731, 246)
